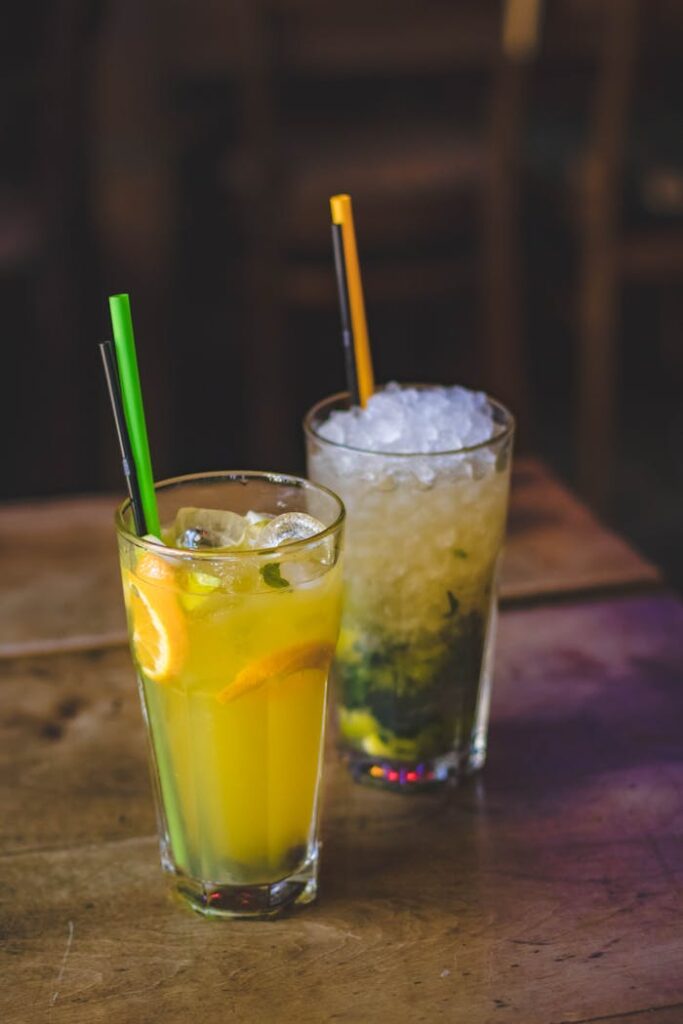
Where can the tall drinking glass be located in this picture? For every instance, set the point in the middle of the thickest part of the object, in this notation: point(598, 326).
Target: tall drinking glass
point(232, 649)
point(414, 660)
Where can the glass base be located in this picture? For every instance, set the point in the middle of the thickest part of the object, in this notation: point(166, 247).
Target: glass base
point(425, 776)
point(218, 899)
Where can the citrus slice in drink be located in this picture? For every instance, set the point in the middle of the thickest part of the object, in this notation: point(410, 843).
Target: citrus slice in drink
point(285, 662)
point(159, 633)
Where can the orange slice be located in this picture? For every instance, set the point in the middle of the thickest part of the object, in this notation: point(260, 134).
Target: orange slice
point(159, 631)
point(277, 665)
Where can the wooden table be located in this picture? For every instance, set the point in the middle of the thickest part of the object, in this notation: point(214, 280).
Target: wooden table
point(545, 891)
point(58, 595)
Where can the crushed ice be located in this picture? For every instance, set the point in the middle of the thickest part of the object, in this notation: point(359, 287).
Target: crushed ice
point(414, 420)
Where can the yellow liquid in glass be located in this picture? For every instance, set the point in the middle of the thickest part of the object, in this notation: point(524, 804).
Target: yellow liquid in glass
point(238, 775)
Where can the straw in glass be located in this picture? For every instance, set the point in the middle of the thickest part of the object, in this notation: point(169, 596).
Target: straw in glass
point(342, 215)
point(124, 341)
point(345, 312)
point(114, 388)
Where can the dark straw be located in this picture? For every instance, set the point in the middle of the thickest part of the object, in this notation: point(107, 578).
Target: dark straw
point(114, 388)
point(345, 313)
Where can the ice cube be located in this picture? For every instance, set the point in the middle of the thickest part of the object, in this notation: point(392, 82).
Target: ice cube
point(289, 527)
point(209, 528)
point(256, 523)
point(425, 476)
point(302, 570)
point(306, 565)
point(258, 518)
point(300, 566)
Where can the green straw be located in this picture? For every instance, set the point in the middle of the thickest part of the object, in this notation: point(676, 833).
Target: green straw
point(124, 341)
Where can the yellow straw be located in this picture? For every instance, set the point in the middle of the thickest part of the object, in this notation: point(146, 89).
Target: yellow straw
point(342, 214)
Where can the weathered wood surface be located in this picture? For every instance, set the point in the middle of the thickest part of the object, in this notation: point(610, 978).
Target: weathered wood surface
point(60, 587)
point(546, 891)
point(73, 756)
point(557, 546)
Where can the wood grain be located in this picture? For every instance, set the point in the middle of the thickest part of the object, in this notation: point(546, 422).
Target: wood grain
point(556, 546)
point(545, 891)
point(60, 587)
point(73, 760)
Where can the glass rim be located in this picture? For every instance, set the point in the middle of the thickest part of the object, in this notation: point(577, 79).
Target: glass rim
point(507, 428)
point(239, 476)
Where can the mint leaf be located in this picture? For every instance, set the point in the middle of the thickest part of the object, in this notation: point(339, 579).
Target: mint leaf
point(453, 605)
point(459, 552)
point(272, 576)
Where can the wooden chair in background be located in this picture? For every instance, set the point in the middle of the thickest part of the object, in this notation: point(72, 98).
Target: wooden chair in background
point(436, 191)
point(44, 249)
point(416, 176)
point(134, 209)
point(611, 254)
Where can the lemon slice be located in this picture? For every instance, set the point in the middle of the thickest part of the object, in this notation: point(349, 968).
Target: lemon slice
point(197, 586)
point(277, 665)
point(159, 633)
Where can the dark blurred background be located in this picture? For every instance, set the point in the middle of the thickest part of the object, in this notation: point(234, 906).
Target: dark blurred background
point(517, 174)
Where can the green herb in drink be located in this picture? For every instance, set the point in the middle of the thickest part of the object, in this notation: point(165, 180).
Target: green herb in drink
point(272, 576)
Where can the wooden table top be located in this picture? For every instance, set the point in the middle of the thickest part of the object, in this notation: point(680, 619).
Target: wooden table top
point(546, 890)
point(56, 594)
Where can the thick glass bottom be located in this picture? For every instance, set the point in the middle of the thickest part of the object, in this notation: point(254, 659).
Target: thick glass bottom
point(218, 899)
point(402, 777)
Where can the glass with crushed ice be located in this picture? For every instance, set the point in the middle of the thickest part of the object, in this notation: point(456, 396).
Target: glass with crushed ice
point(233, 617)
point(424, 473)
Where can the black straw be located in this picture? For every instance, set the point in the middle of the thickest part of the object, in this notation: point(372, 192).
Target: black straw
point(114, 388)
point(345, 313)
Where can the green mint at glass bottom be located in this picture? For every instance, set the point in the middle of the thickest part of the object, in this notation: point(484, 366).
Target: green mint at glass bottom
point(411, 700)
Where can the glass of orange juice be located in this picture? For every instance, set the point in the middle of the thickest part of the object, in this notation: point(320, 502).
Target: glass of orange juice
point(233, 618)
